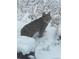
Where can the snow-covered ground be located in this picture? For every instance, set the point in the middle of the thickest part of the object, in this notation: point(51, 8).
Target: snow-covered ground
point(46, 47)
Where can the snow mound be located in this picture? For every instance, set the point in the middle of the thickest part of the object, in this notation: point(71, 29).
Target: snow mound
point(25, 44)
point(52, 52)
point(47, 48)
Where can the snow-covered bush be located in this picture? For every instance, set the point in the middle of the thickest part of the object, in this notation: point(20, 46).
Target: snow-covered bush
point(36, 7)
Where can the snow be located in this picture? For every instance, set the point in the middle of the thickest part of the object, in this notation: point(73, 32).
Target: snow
point(53, 52)
point(46, 48)
point(25, 44)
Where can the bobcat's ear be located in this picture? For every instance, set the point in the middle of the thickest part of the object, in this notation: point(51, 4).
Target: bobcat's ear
point(48, 13)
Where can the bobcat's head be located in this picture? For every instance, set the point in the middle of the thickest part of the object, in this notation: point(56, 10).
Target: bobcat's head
point(46, 17)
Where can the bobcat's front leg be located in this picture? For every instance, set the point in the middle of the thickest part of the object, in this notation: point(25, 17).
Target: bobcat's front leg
point(42, 30)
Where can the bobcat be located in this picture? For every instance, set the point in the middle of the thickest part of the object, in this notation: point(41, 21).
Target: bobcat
point(38, 25)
